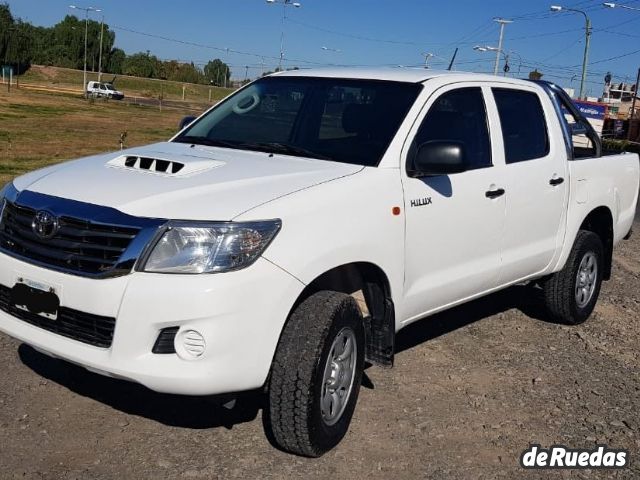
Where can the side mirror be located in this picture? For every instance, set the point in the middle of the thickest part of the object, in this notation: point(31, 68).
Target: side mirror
point(578, 129)
point(186, 121)
point(438, 157)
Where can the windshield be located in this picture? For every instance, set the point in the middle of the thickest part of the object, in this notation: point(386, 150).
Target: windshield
point(349, 121)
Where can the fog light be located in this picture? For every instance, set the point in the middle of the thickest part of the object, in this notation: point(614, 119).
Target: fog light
point(190, 344)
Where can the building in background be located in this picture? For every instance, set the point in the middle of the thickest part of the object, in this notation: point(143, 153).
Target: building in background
point(619, 97)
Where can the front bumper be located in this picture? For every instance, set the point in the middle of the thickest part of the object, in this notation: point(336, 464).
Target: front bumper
point(240, 315)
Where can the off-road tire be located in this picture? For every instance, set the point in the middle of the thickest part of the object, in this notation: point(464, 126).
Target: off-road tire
point(560, 288)
point(294, 415)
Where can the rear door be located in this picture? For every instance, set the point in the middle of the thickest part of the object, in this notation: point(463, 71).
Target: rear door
point(536, 176)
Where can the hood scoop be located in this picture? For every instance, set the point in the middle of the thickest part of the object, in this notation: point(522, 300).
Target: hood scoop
point(183, 167)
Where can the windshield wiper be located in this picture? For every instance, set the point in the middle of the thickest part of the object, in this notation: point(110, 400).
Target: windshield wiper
point(192, 139)
point(284, 148)
point(268, 147)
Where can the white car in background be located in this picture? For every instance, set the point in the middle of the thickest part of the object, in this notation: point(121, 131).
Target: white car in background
point(103, 90)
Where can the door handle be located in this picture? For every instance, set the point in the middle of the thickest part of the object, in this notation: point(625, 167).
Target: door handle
point(556, 181)
point(494, 193)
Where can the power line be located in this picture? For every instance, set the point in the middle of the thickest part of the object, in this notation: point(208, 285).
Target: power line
point(360, 37)
point(563, 49)
point(212, 47)
point(481, 29)
point(628, 54)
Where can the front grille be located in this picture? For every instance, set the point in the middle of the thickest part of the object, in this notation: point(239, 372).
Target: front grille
point(78, 245)
point(84, 327)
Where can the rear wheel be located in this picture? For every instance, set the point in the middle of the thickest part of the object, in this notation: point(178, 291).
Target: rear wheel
point(316, 374)
point(571, 294)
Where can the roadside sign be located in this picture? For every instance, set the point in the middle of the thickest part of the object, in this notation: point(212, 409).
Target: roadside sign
point(591, 110)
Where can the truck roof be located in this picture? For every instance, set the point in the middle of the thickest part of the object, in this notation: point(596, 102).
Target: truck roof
point(398, 74)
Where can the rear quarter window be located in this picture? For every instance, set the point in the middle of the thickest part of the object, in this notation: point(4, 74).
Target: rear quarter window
point(524, 127)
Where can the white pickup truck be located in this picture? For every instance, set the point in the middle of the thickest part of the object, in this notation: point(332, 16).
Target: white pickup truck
point(230, 257)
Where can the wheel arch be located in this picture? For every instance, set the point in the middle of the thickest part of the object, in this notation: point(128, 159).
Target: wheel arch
point(600, 222)
point(379, 314)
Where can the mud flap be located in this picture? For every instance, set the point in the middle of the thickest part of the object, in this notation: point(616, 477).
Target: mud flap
point(379, 327)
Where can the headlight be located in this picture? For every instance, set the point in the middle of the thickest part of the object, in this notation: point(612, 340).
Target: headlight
point(194, 247)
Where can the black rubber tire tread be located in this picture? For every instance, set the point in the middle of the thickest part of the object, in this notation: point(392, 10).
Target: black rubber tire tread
point(294, 416)
point(559, 288)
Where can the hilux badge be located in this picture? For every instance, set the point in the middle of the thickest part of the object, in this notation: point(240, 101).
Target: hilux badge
point(421, 202)
point(44, 224)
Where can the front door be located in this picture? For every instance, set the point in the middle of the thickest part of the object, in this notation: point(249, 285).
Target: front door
point(454, 223)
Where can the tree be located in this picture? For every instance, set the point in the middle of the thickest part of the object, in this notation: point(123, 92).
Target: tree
point(216, 72)
point(535, 75)
point(140, 65)
point(62, 45)
point(115, 61)
point(6, 24)
point(15, 41)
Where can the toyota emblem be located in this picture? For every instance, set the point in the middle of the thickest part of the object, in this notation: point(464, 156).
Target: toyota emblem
point(45, 224)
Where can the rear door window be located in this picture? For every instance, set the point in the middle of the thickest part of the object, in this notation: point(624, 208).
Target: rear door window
point(524, 128)
point(582, 145)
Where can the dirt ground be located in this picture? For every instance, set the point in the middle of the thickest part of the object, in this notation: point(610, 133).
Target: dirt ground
point(470, 390)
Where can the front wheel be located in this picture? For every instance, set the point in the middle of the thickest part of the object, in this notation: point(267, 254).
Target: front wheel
point(316, 374)
point(571, 294)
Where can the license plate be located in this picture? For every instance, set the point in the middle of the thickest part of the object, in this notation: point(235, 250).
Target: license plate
point(35, 298)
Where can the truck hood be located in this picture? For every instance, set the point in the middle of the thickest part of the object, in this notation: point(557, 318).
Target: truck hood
point(180, 181)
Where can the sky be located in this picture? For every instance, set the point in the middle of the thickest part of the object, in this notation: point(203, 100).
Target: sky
point(371, 32)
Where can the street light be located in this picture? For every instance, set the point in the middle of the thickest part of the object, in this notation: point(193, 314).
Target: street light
point(86, 31)
point(100, 54)
point(427, 56)
point(587, 31)
point(285, 4)
point(620, 5)
point(505, 54)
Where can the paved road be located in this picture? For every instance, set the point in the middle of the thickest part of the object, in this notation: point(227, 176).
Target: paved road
point(196, 107)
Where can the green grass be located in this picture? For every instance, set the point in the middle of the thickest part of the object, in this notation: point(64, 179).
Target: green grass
point(31, 110)
point(131, 86)
point(54, 128)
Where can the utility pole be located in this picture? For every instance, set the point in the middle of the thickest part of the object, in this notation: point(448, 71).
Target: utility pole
point(585, 59)
point(226, 68)
point(12, 30)
point(100, 55)
point(502, 23)
point(285, 4)
point(86, 33)
point(633, 106)
point(587, 32)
